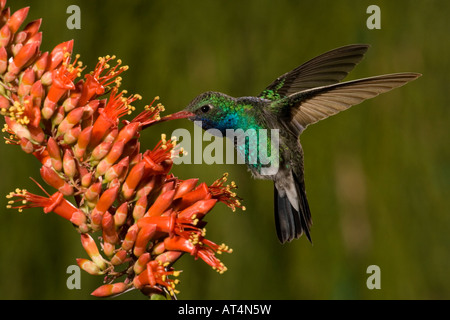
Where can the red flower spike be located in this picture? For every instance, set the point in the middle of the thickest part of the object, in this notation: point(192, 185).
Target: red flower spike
point(120, 217)
point(119, 257)
point(82, 143)
point(185, 187)
point(91, 249)
point(16, 20)
point(130, 237)
point(109, 232)
point(161, 204)
point(83, 147)
point(89, 266)
point(107, 290)
point(55, 154)
point(139, 208)
point(143, 237)
point(141, 263)
point(133, 179)
point(54, 180)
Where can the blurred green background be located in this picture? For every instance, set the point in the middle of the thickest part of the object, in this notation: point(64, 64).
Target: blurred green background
point(378, 176)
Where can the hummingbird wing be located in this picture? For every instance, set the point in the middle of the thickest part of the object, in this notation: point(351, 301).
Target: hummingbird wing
point(328, 68)
point(310, 106)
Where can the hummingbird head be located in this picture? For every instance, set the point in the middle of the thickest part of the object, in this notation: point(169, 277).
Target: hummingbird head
point(215, 110)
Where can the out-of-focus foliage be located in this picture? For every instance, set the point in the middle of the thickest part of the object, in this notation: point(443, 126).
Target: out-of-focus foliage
point(378, 176)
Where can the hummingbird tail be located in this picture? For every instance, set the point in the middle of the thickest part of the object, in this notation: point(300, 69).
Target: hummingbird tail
point(290, 222)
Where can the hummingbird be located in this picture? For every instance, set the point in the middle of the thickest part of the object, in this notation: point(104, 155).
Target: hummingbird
point(307, 94)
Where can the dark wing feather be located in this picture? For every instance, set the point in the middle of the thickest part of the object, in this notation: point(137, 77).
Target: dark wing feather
point(328, 68)
point(313, 105)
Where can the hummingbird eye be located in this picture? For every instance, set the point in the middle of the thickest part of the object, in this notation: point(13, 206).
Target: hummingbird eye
point(205, 108)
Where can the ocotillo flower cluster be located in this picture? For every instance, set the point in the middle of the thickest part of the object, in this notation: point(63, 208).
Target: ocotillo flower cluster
point(144, 217)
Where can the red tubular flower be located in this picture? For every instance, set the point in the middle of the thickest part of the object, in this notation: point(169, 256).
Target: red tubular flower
point(117, 107)
point(155, 274)
point(199, 248)
point(97, 81)
point(62, 81)
point(54, 203)
point(54, 180)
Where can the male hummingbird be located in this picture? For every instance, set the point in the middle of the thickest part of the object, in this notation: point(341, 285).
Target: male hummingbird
point(303, 96)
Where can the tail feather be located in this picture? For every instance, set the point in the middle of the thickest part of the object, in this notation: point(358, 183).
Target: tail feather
point(291, 223)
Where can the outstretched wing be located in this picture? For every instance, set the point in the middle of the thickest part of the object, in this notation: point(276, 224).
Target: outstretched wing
point(328, 68)
point(313, 105)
